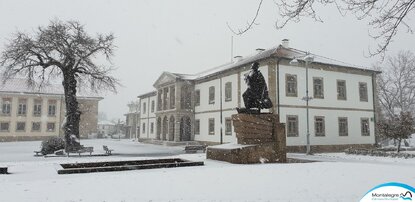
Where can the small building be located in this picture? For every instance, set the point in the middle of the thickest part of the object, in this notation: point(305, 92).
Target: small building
point(147, 121)
point(106, 128)
point(132, 120)
point(199, 107)
point(34, 114)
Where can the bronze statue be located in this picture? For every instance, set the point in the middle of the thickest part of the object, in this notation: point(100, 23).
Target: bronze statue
point(256, 95)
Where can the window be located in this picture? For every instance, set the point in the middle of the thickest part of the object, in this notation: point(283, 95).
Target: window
point(292, 126)
point(4, 126)
point(144, 107)
point(211, 126)
point(319, 126)
point(37, 108)
point(228, 126)
point(341, 90)
point(21, 111)
point(212, 95)
point(152, 128)
point(197, 127)
point(50, 127)
point(343, 128)
point(197, 98)
point(36, 126)
point(318, 86)
point(172, 97)
point(144, 128)
point(363, 91)
point(291, 85)
point(152, 106)
point(52, 108)
point(20, 126)
point(6, 106)
point(228, 91)
point(364, 124)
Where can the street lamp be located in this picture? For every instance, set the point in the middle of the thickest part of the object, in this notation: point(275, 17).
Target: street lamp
point(308, 59)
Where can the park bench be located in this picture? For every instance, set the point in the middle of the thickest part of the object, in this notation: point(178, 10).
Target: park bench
point(82, 150)
point(3, 170)
point(194, 148)
point(107, 151)
point(38, 153)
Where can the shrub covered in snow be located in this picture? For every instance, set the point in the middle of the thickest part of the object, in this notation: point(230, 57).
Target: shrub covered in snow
point(52, 144)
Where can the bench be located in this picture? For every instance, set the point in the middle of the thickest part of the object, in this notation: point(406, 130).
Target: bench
point(107, 151)
point(194, 148)
point(38, 153)
point(3, 170)
point(82, 150)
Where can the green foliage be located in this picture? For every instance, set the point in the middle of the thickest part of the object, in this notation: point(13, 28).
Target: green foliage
point(397, 127)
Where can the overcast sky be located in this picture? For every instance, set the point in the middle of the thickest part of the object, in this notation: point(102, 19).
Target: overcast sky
point(188, 36)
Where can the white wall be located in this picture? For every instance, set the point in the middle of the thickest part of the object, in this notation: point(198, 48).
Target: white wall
point(330, 88)
point(331, 127)
point(206, 110)
point(331, 107)
point(148, 117)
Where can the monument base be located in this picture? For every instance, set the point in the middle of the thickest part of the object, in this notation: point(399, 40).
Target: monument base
point(261, 139)
point(245, 154)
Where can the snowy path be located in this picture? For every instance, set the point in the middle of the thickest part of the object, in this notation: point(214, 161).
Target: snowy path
point(339, 178)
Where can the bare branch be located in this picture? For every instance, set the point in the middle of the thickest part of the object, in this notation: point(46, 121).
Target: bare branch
point(249, 24)
point(65, 51)
point(385, 18)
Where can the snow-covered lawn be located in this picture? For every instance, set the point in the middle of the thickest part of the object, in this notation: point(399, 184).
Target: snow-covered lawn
point(337, 177)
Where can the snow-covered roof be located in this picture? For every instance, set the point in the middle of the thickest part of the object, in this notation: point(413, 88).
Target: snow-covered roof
point(277, 52)
point(105, 122)
point(149, 94)
point(19, 85)
point(291, 53)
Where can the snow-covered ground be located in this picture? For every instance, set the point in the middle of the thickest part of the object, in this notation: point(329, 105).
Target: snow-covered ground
point(336, 177)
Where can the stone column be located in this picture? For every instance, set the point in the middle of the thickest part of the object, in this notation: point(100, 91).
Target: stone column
point(238, 87)
point(177, 128)
point(272, 86)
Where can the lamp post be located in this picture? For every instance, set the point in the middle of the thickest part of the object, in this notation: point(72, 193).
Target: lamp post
point(307, 59)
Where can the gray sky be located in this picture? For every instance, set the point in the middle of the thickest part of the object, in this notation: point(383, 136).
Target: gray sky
point(188, 36)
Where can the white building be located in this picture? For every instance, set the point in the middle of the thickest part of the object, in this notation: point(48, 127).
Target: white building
point(147, 123)
point(198, 107)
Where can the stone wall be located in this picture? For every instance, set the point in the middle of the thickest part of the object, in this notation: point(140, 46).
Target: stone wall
point(89, 117)
point(327, 148)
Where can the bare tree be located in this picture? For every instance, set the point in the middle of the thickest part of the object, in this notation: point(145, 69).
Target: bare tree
point(385, 17)
point(396, 88)
point(65, 51)
point(396, 84)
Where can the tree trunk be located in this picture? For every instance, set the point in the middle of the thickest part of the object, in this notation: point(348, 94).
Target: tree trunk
point(399, 145)
point(73, 115)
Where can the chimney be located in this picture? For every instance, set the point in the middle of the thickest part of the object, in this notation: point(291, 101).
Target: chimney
point(259, 50)
point(237, 58)
point(285, 43)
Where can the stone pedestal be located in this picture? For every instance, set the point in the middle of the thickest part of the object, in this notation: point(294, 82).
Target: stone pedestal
point(261, 139)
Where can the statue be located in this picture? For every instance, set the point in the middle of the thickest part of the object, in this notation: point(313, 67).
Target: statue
point(256, 95)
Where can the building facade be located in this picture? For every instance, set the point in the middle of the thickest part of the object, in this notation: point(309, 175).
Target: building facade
point(341, 113)
point(132, 120)
point(147, 120)
point(28, 114)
